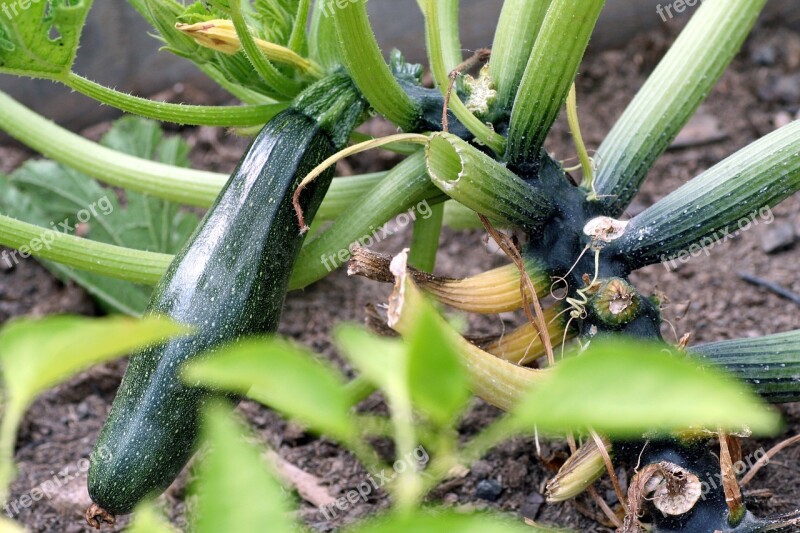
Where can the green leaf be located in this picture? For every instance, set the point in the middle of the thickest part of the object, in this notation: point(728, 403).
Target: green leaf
point(148, 520)
point(437, 378)
point(54, 196)
point(382, 361)
point(41, 40)
point(38, 354)
point(444, 521)
point(283, 376)
point(625, 388)
point(235, 489)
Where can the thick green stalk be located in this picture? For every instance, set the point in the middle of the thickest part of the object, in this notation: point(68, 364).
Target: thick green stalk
point(770, 364)
point(298, 40)
point(114, 261)
point(223, 116)
point(520, 21)
point(266, 70)
point(180, 185)
point(323, 43)
point(403, 188)
point(670, 96)
point(550, 71)
point(367, 67)
point(461, 217)
point(425, 239)
point(427, 231)
point(450, 36)
point(344, 192)
point(193, 187)
point(438, 32)
point(726, 199)
point(487, 187)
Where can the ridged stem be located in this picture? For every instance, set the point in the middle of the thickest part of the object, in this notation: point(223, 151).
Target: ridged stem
point(323, 44)
point(479, 182)
point(727, 198)
point(498, 382)
point(222, 116)
point(114, 261)
point(672, 93)
point(192, 187)
point(438, 29)
point(425, 239)
point(298, 39)
point(404, 187)
point(180, 185)
point(520, 21)
point(770, 365)
point(550, 71)
point(365, 64)
point(344, 192)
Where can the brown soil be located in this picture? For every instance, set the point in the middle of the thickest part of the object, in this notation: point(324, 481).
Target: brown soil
point(708, 299)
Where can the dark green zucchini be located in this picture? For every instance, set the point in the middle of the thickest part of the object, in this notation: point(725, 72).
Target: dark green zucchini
point(229, 281)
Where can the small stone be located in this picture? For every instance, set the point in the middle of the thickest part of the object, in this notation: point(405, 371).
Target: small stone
point(765, 55)
point(533, 504)
point(785, 89)
point(777, 237)
point(481, 469)
point(451, 498)
point(488, 489)
point(782, 118)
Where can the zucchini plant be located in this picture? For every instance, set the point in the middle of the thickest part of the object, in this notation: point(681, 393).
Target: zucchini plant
point(475, 152)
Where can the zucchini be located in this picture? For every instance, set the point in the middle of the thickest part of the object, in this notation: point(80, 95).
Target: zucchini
point(229, 281)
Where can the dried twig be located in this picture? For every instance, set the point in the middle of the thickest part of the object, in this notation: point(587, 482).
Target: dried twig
point(510, 249)
point(771, 286)
point(308, 486)
point(733, 493)
point(610, 467)
point(775, 450)
point(478, 57)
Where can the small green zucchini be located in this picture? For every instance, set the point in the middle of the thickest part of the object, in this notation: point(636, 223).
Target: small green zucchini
point(229, 281)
